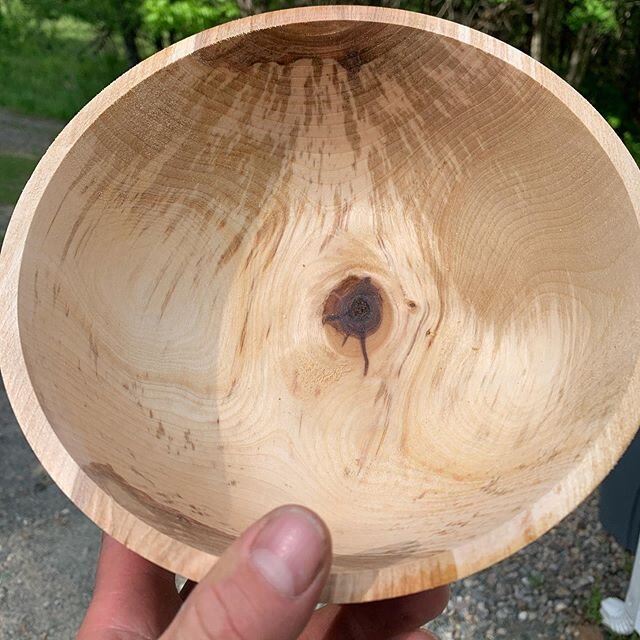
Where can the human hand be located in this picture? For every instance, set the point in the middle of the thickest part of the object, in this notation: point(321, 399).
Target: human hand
point(264, 587)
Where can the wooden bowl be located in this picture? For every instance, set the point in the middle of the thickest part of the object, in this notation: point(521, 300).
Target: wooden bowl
point(186, 263)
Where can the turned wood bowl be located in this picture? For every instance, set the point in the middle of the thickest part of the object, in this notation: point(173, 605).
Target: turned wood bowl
point(361, 259)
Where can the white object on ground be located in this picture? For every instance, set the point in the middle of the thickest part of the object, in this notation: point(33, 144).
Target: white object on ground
point(621, 617)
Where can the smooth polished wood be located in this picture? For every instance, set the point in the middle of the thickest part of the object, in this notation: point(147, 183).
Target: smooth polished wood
point(177, 337)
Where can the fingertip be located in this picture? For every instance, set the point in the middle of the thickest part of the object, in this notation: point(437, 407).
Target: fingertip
point(291, 550)
point(297, 509)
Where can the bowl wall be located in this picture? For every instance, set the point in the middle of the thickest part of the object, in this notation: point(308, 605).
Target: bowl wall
point(179, 254)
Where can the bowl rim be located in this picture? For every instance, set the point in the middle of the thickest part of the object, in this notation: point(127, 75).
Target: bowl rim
point(344, 586)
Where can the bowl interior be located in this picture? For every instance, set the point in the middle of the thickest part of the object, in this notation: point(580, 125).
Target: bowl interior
point(178, 272)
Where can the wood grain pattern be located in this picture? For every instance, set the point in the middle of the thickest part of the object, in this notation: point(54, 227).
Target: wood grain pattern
point(167, 268)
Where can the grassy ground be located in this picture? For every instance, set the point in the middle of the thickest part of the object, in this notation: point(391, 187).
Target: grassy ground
point(55, 68)
point(49, 69)
point(14, 173)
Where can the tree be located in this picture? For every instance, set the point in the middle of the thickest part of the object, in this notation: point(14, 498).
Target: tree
point(592, 21)
point(109, 16)
point(167, 21)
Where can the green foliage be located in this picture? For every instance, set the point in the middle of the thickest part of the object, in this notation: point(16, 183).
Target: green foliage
point(599, 13)
point(111, 14)
point(12, 19)
point(141, 24)
point(536, 580)
point(53, 67)
point(629, 559)
point(633, 144)
point(173, 20)
point(592, 605)
point(14, 173)
point(613, 101)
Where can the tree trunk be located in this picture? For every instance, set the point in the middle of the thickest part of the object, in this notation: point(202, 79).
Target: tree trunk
point(576, 56)
point(446, 10)
point(634, 82)
point(536, 31)
point(580, 55)
point(469, 16)
point(545, 21)
point(246, 7)
point(129, 34)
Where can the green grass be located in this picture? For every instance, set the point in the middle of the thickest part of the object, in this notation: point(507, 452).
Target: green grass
point(592, 615)
point(536, 581)
point(14, 173)
point(55, 68)
point(592, 605)
point(629, 559)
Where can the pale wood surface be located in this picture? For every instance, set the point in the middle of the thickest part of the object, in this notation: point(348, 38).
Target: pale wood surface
point(166, 274)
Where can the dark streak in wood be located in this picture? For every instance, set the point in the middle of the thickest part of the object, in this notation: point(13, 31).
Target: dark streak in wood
point(167, 519)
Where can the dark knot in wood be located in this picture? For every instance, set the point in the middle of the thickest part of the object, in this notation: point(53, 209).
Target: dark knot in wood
point(354, 308)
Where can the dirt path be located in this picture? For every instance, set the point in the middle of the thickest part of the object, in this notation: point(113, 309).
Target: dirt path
point(23, 136)
point(5, 214)
point(26, 136)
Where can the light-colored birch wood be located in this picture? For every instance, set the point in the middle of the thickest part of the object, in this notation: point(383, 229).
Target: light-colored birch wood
point(172, 275)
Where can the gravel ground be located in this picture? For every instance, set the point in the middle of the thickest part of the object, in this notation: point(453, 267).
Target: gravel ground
point(48, 548)
point(546, 590)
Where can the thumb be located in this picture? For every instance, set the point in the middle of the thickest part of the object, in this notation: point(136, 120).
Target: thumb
point(265, 586)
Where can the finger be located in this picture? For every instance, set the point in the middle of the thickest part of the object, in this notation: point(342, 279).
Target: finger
point(377, 620)
point(265, 586)
point(132, 596)
point(417, 635)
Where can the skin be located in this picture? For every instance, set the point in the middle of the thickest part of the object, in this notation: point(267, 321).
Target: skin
point(264, 587)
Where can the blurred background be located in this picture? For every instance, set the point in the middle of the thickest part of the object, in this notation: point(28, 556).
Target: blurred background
point(55, 55)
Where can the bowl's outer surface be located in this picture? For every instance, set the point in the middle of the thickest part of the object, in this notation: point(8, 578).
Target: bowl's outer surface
point(181, 236)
